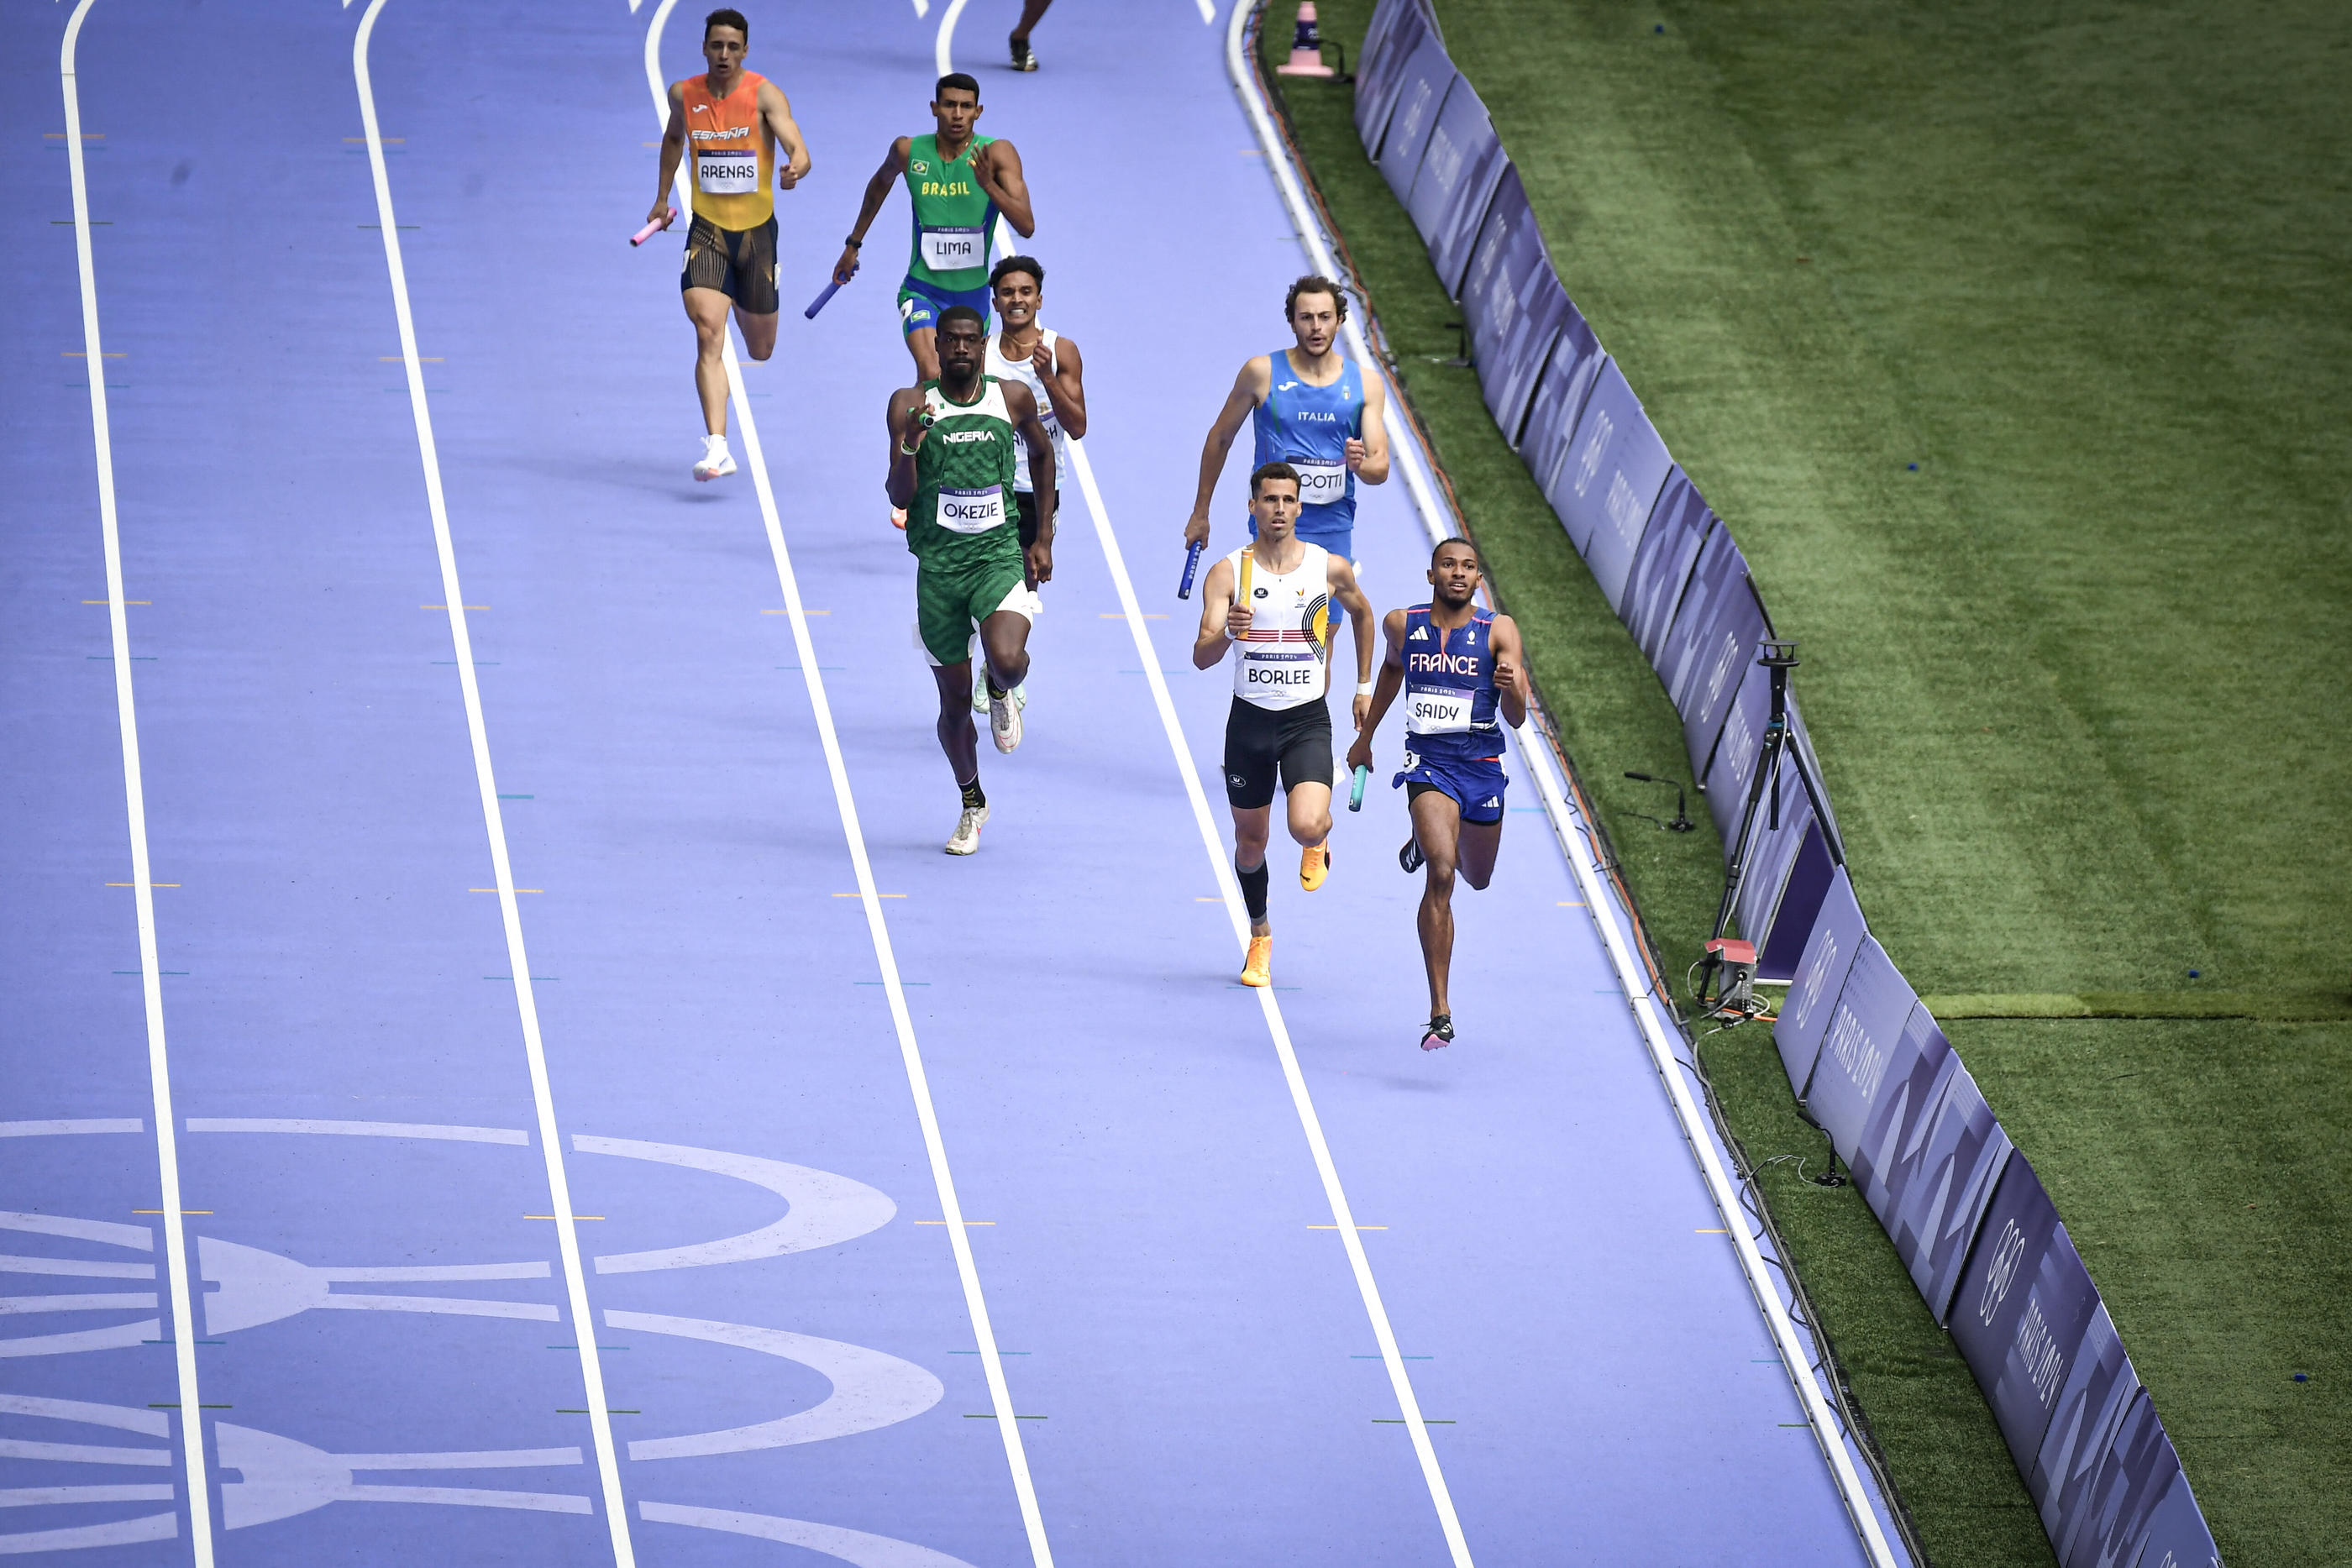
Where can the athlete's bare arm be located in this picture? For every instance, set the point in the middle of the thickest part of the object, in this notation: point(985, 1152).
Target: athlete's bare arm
point(793, 166)
point(877, 190)
point(1249, 391)
point(1384, 692)
point(673, 148)
point(905, 433)
point(1368, 456)
point(1341, 577)
point(1021, 404)
point(1510, 670)
point(1224, 622)
point(1063, 373)
point(998, 170)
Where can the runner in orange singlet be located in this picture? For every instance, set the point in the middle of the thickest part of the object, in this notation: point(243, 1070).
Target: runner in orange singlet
point(736, 119)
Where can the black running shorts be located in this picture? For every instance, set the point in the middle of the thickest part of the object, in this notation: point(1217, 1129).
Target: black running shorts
point(1297, 741)
point(1026, 503)
point(739, 263)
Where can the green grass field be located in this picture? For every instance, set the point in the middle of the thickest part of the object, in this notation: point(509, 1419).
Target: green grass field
point(2074, 679)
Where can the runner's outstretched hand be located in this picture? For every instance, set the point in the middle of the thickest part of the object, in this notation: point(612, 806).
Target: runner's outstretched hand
point(847, 267)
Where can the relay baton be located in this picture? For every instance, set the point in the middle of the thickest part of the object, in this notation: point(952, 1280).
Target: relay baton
point(1192, 563)
point(830, 290)
point(669, 216)
point(1356, 790)
point(1241, 595)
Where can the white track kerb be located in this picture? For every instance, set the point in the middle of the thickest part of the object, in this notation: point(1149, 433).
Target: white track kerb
point(1580, 844)
point(950, 1210)
point(184, 1328)
point(551, 1140)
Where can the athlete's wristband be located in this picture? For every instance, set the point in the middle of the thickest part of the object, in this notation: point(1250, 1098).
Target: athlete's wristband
point(904, 449)
point(854, 242)
point(1363, 688)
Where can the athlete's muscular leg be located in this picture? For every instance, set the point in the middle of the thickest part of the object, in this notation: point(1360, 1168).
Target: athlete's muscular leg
point(1252, 824)
point(923, 343)
point(958, 738)
point(1479, 842)
point(1004, 642)
point(759, 332)
point(707, 309)
point(1310, 809)
point(1437, 823)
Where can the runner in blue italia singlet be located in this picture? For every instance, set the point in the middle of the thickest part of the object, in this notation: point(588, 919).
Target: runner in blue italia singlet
point(1459, 670)
point(1309, 407)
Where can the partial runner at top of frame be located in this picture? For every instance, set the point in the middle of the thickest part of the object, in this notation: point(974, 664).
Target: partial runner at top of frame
point(978, 443)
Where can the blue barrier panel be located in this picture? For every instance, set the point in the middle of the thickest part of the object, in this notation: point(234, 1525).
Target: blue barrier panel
point(1458, 176)
point(1724, 773)
point(1663, 565)
point(1721, 664)
point(1942, 1196)
point(1610, 478)
point(1397, 28)
point(1769, 860)
point(2138, 1469)
point(1512, 305)
point(1804, 744)
point(2023, 1305)
point(1863, 1039)
point(1894, 1141)
point(1422, 82)
point(2178, 1536)
point(1838, 931)
point(1719, 572)
point(1780, 945)
point(1560, 391)
point(2099, 1387)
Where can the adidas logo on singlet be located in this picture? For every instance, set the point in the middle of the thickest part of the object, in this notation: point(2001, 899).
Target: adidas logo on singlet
point(1420, 634)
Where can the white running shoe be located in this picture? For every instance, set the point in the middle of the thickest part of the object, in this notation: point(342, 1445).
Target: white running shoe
point(1005, 720)
point(967, 834)
point(716, 462)
point(979, 689)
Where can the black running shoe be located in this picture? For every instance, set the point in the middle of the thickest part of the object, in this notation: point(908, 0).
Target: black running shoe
point(1410, 857)
point(1023, 57)
point(1440, 1032)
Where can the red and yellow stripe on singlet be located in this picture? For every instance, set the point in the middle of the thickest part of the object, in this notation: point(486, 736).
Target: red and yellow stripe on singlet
point(730, 154)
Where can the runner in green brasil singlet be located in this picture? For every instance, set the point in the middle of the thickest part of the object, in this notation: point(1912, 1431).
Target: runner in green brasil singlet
point(951, 467)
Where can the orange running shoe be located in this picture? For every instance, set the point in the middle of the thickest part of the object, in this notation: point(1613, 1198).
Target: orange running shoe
point(1313, 865)
point(1257, 970)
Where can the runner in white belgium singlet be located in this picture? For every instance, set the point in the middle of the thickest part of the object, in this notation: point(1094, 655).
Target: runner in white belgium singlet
point(1282, 662)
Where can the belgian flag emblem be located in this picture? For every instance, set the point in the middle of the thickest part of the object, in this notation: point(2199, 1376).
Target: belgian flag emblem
point(1315, 623)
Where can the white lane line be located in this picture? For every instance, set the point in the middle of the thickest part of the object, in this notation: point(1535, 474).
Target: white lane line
point(1535, 755)
point(943, 55)
point(551, 1143)
point(918, 1084)
point(1212, 840)
point(134, 790)
point(1208, 12)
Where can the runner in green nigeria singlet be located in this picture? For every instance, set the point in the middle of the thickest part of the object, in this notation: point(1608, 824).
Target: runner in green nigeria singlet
point(953, 215)
point(961, 512)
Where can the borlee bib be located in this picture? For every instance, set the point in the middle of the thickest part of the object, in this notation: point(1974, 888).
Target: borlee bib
point(1438, 712)
point(1282, 662)
point(1321, 484)
point(971, 511)
point(726, 172)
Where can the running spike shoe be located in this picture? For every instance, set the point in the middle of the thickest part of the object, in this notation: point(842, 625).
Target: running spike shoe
point(716, 463)
point(1410, 857)
point(1257, 968)
point(1313, 865)
point(1004, 719)
point(1024, 58)
point(1440, 1032)
point(967, 833)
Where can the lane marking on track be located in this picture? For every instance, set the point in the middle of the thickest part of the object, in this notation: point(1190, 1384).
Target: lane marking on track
point(943, 52)
point(134, 794)
point(1583, 858)
point(918, 1082)
point(576, 1280)
point(1213, 841)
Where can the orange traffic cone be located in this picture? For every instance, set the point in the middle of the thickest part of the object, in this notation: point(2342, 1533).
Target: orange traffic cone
point(1306, 46)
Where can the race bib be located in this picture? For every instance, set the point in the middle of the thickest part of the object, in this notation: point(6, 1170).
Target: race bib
point(1438, 713)
point(971, 511)
point(722, 173)
point(1321, 484)
point(955, 250)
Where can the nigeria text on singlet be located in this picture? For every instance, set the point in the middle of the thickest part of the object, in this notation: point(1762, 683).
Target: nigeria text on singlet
point(953, 215)
point(733, 151)
point(1449, 686)
point(1284, 660)
point(1309, 427)
point(964, 477)
point(1010, 369)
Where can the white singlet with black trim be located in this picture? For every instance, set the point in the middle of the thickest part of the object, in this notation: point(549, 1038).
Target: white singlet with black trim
point(1284, 662)
point(1006, 369)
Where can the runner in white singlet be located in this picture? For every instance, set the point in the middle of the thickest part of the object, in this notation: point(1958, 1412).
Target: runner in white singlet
point(1272, 602)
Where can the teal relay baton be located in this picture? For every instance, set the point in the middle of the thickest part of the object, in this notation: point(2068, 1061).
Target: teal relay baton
point(1356, 790)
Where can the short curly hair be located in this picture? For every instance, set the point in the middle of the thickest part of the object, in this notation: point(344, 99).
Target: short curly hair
point(1313, 283)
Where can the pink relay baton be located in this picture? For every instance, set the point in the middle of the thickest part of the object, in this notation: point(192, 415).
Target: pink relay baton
point(669, 216)
point(818, 303)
